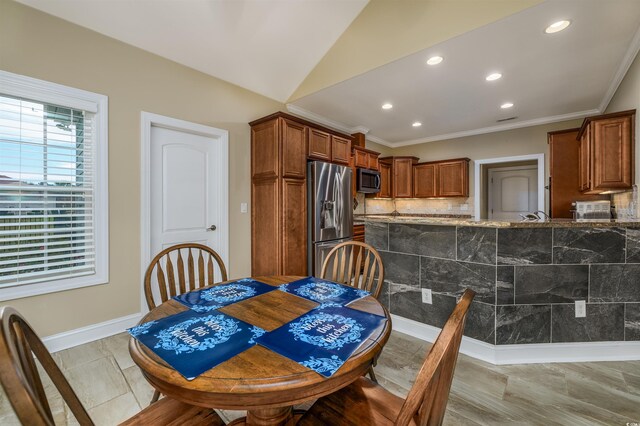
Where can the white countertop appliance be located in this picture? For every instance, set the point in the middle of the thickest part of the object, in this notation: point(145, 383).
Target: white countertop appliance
point(592, 209)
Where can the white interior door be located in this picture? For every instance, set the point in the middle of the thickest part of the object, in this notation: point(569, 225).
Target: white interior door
point(186, 191)
point(512, 192)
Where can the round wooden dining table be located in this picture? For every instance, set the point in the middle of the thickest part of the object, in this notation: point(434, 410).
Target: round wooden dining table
point(265, 384)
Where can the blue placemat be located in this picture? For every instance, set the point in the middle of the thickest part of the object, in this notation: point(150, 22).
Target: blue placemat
point(322, 339)
point(218, 296)
point(323, 291)
point(193, 342)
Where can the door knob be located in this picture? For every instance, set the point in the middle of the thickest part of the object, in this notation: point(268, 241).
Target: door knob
point(212, 228)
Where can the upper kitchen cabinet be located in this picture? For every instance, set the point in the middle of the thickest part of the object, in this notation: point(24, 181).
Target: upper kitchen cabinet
point(448, 178)
point(327, 147)
point(319, 145)
point(425, 184)
point(385, 178)
point(365, 158)
point(340, 150)
point(606, 152)
point(401, 173)
point(453, 178)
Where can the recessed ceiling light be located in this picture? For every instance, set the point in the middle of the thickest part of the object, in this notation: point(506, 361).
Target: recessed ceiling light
point(435, 60)
point(506, 105)
point(417, 124)
point(494, 76)
point(387, 106)
point(557, 27)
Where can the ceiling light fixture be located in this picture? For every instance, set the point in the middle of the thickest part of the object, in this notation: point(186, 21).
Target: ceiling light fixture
point(417, 124)
point(387, 106)
point(557, 27)
point(506, 105)
point(494, 76)
point(435, 60)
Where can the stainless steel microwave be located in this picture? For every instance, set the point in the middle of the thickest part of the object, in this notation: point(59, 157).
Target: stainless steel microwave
point(368, 181)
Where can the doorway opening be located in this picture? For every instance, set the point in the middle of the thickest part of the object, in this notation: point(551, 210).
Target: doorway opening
point(508, 187)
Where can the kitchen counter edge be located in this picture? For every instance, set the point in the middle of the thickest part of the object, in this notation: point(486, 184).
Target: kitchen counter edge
point(553, 223)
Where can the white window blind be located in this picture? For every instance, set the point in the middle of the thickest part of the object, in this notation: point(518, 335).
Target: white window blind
point(47, 191)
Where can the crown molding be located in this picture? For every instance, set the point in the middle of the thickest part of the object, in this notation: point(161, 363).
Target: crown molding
point(627, 60)
point(335, 125)
point(500, 128)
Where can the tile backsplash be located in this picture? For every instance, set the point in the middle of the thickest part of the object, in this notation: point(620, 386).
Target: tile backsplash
point(450, 206)
point(626, 204)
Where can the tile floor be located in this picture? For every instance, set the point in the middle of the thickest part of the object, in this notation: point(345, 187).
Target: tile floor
point(112, 388)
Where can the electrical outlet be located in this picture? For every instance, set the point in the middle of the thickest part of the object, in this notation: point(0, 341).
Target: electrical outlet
point(426, 296)
point(449, 207)
point(581, 308)
point(464, 207)
point(243, 207)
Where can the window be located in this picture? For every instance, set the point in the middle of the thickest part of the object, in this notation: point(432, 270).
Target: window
point(53, 187)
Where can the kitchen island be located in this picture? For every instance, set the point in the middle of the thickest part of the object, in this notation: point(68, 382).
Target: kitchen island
point(527, 275)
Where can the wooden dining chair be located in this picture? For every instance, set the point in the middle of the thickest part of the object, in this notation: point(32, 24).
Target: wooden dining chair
point(356, 264)
point(364, 403)
point(23, 387)
point(199, 271)
point(169, 285)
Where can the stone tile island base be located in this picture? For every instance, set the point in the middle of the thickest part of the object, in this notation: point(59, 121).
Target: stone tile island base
point(527, 278)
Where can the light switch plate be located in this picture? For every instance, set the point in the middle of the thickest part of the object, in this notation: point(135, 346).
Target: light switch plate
point(243, 207)
point(426, 296)
point(581, 308)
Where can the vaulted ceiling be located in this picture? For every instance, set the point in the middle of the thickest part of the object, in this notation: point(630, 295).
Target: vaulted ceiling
point(337, 61)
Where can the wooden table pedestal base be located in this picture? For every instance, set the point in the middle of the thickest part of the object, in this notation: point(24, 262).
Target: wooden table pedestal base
point(269, 417)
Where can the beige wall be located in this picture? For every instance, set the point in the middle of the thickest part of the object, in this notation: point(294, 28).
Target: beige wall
point(44, 47)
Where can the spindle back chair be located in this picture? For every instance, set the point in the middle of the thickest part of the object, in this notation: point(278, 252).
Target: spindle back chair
point(355, 264)
point(189, 273)
point(367, 403)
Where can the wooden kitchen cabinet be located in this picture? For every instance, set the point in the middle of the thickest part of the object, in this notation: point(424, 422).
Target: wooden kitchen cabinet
point(401, 176)
point(607, 152)
point(280, 146)
point(278, 190)
point(565, 167)
point(584, 163)
point(319, 145)
point(324, 146)
point(424, 180)
point(453, 178)
point(448, 178)
point(364, 158)
point(340, 150)
point(386, 178)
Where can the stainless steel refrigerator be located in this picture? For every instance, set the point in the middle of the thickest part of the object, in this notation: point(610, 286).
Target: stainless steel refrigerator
point(330, 210)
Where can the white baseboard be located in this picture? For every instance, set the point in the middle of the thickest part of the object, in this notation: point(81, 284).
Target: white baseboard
point(68, 339)
point(534, 353)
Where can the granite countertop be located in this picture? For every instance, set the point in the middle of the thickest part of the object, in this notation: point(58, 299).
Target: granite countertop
point(447, 221)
